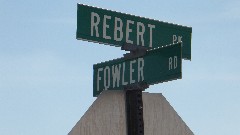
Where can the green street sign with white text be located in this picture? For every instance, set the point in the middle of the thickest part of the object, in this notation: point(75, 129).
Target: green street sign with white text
point(115, 28)
point(158, 65)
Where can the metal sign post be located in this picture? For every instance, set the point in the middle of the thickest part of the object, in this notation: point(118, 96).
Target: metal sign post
point(134, 103)
point(134, 108)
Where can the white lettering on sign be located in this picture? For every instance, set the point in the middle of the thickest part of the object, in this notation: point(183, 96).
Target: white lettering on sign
point(150, 40)
point(140, 69)
point(119, 32)
point(105, 26)
point(116, 75)
point(98, 77)
point(118, 29)
point(131, 71)
point(123, 73)
point(106, 80)
point(128, 30)
point(177, 39)
point(172, 63)
point(140, 33)
point(94, 24)
point(175, 62)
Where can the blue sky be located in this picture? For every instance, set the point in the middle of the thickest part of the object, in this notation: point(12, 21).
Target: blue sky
point(46, 74)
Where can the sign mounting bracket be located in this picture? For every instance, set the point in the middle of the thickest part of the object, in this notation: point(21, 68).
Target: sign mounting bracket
point(134, 108)
point(135, 51)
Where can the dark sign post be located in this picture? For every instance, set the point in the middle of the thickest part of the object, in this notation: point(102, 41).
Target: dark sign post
point(115, 28)
point(158, 65)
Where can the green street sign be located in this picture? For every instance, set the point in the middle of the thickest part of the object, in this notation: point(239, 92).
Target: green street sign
point(158, 65)
point(115, 28)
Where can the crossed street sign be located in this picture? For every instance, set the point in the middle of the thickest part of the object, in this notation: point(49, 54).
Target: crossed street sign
point(162, 62)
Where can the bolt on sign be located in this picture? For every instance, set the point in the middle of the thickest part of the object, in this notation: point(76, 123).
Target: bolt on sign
point(115, 28)
point(158, 65)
